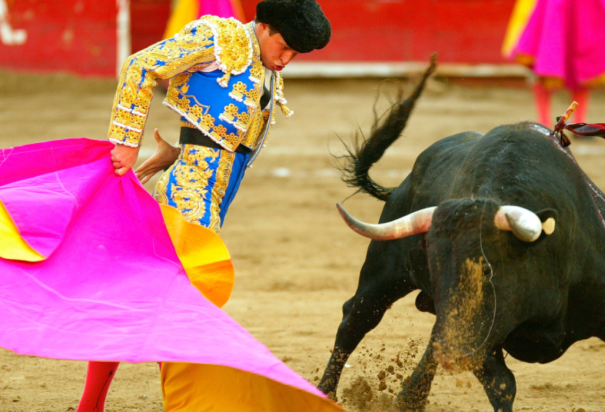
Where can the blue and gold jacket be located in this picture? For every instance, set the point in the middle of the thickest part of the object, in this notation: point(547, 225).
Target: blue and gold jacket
point(216, 82)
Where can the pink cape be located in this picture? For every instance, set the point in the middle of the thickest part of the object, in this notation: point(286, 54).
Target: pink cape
point(111, 287)
point(565, 39)
point(220, 8)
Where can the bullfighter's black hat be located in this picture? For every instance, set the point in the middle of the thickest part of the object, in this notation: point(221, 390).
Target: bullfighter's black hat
point(301, 23)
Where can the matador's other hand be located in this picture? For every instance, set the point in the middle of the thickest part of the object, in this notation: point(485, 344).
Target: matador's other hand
point(165, 155)
point(123, 158)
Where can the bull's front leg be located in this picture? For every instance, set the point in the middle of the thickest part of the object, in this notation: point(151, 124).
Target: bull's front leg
point(416, 388)
point(498, 381)
point(381, 284)
point(360, 315)
point(346, 342)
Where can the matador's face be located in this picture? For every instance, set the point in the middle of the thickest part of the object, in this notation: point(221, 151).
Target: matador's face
point(275, 52)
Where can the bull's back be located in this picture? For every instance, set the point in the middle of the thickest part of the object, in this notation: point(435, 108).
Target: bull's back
point(430, 178)
point(509, 164)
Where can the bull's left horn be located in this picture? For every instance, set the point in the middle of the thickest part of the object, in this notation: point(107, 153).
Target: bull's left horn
point(524, 224)
point(412, 224)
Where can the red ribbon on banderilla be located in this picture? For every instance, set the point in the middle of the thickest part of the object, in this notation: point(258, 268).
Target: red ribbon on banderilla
point(581, 129)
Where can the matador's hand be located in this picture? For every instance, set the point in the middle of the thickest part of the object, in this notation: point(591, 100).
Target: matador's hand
point(165, 155)
point(123, 158)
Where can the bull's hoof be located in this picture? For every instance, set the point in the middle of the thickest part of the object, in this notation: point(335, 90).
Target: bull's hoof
point(409, 400)
point(408, 405)
point(327, 388)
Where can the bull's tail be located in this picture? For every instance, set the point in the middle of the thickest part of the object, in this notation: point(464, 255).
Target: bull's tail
point(361, 157)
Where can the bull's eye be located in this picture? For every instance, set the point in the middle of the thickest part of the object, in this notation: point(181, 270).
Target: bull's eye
point(487, 270)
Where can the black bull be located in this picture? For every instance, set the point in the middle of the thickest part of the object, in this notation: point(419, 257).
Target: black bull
point(490, 290)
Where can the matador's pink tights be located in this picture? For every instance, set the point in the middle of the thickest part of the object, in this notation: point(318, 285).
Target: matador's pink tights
point(98, 379)
point(542, 95)
point(581, 96)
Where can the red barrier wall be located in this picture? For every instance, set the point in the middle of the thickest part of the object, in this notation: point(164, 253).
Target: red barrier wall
point(461, 31)
point(78, 36)
point(62, 35)
point(148, 22)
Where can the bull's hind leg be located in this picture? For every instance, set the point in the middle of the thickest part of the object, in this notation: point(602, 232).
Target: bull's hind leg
point(498, 381)
point(382, 282)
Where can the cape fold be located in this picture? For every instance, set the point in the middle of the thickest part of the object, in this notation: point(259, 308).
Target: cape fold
point(111, 286)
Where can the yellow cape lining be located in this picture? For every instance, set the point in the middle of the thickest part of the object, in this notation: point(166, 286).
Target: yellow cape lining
point(12, 245)
point(203, 255)
point(190, 387)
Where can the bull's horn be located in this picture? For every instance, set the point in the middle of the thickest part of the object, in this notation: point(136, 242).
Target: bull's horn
point(524, 224)
point(412, 224)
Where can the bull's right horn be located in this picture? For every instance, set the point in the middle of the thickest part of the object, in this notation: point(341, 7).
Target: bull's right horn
point(524, 224)
point(412, 224)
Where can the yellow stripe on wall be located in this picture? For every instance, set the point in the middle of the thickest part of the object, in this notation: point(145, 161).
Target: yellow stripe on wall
point(185, 12)
point(518, 21)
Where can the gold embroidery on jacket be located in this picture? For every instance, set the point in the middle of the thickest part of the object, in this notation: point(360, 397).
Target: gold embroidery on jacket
point(251, 97)
point(241, 93)
point(257, 73)
point(254, 131)
point(223, 173)
point(189, 51)
point(178, 100)
point(238, 92)
point(233, 49)
point(233, 45)
point(232, 116)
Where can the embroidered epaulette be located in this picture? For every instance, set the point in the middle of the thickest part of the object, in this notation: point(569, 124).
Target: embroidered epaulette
point(232, 45)
point(221, 109)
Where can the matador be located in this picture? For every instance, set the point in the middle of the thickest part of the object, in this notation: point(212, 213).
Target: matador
point(225, 81)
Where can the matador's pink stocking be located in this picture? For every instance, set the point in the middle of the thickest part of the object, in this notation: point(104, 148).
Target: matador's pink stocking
point(581, 96)
point(542, 97)
point(98, 379)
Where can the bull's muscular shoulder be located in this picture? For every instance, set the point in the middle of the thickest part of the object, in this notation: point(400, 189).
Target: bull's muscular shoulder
point(421, 186)
point(444, 149)
point(458, 141)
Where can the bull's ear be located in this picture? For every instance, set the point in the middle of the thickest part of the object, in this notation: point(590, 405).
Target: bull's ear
point(546, 213)
point(548, 217)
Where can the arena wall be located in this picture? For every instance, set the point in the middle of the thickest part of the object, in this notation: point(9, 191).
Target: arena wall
point(92, 37)
point(87, 37)
point(461, 31)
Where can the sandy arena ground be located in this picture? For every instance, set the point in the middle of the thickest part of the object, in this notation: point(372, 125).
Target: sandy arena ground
point(296, 262)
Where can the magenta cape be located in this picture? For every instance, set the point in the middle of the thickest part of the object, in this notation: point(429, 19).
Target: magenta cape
point(565, 39)
point(111, 287)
